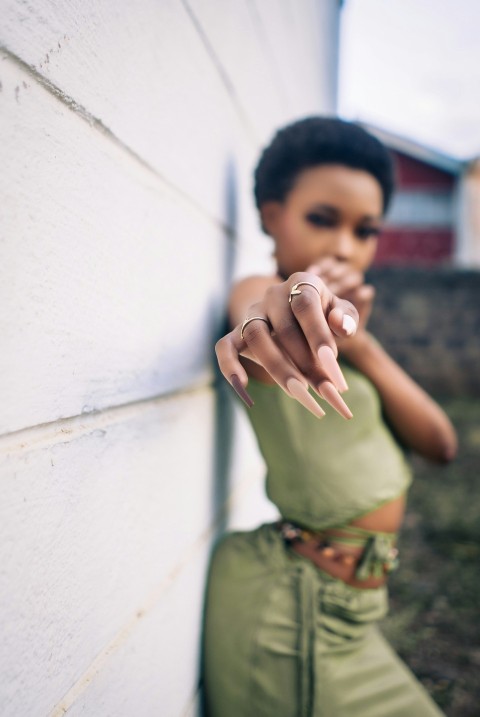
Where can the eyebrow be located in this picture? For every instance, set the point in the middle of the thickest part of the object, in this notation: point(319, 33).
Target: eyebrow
point(324, 207)
point(371, 218)
point(334, 210)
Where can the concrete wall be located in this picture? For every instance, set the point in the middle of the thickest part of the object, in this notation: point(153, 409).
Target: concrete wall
point(128, 136)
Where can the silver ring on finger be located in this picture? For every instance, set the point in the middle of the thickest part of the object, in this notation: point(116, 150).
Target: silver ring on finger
point(253, 318)
point(295, 291)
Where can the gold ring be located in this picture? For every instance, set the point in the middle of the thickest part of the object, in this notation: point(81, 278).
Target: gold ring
point(252, 318)
point(294, 291)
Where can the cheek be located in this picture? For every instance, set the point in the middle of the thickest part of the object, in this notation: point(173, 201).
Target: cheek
point(368, 253)
point(292, 237)
point(290, 227)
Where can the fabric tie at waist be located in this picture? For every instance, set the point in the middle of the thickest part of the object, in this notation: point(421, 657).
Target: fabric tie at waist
point(379, 554)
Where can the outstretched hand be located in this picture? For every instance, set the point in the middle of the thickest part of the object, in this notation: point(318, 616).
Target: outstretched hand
point(291, 333)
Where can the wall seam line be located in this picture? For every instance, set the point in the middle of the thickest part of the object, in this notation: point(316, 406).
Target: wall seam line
point(222, 73)
point(191, 702)
point(269, 54)
point(73, 427)
point(77, 689)
point(95, 123)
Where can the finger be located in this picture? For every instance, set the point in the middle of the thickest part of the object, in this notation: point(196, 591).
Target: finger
point(309, 311)
point(328, 391)
point(326, 270)
point(344, 282)
point(366, 293)
point(309, 299)
point(343, 318)
point(363, 298)
point(331, 368)
point(227, 350)
point(339, 276)
point(256, 335)
point(299, 391)
point(240, 390)
point(321, 267)
point(337, 269)
point(291, 339)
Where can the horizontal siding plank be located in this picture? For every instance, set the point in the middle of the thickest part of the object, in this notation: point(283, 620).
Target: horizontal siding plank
point(89, 528)
point(155, 673)
point(96, 524)
point(129, 69)
point(112, 286)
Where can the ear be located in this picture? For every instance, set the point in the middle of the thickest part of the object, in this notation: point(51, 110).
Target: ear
point(270, 215)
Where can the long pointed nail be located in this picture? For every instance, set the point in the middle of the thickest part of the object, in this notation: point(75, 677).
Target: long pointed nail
point(349, 325)
point(238, 387)
point(298, 391)
point(328, 391)
point(333, 370)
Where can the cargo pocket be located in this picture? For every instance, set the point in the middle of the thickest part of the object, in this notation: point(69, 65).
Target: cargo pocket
point(276, 654)
point(346, 614)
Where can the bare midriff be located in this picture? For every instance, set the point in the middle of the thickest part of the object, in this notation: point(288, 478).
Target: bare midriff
point(340, 560)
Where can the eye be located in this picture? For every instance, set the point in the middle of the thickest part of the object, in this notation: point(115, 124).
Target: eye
point(319, 220)
point(364, 233)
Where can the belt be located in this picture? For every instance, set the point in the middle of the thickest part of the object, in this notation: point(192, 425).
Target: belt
point(379, 554)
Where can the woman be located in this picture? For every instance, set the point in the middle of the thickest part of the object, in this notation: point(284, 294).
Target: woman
point(291, 607)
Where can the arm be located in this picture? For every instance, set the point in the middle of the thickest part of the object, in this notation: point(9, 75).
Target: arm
point(419, 422)
point(417, 419)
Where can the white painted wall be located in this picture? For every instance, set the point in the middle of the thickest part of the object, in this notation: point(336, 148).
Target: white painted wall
point(128, 136)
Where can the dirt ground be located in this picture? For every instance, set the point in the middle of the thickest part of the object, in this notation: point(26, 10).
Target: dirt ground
point(434, 621)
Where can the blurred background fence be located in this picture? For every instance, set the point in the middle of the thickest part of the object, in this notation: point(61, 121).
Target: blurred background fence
point(429, 320)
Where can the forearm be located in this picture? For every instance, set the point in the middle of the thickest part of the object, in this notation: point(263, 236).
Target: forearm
point(416, 418)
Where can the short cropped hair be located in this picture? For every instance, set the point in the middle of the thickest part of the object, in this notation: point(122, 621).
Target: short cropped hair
point(314, 141)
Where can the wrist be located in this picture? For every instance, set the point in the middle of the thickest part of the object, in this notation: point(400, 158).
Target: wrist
point(356, 349)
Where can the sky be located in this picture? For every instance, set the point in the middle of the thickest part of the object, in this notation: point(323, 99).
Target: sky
point(413, 67)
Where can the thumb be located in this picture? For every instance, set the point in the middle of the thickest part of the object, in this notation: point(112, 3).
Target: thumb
point(343, 318)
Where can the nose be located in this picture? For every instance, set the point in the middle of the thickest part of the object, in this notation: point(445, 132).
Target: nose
point(343, 245)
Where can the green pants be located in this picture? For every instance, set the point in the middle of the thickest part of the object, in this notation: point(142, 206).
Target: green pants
point(284, 639)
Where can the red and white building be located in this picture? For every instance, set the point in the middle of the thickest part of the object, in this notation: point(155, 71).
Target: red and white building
point(423, 223)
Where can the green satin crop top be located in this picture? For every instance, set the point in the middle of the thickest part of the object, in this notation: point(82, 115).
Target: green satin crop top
point(325, 473)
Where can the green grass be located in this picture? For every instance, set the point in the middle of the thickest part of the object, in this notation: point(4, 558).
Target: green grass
point(435, 596)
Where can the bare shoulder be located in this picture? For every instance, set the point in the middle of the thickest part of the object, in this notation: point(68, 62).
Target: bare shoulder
point(254, 286)
point(246, 292)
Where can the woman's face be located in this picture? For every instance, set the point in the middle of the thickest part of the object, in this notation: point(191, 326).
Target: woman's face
point(332, 211)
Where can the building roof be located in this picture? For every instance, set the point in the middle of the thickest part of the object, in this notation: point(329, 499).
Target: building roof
point(421, 152)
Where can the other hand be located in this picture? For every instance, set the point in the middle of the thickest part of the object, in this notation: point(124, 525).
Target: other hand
point(349, 284)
